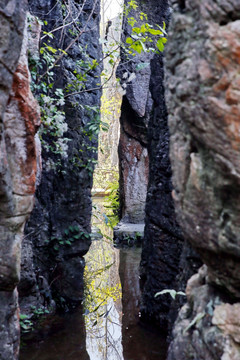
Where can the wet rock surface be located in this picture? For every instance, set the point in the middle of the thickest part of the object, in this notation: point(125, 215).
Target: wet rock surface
point(203, 63)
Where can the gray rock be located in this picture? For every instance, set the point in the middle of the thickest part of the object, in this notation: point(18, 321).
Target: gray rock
point(63, 198)
point(19, 120)
point(202, 87)
point(128, 234)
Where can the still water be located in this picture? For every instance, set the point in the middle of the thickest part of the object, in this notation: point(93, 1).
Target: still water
point(108, 326)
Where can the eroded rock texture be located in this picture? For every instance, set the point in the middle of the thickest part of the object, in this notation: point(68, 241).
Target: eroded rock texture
point(162, 240)
point(203, 84)
point(57, 233)
point(135, 114)
point(19, 120)
point(133, 156)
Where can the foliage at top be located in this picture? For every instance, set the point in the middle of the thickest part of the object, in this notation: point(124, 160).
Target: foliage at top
point(144, 37)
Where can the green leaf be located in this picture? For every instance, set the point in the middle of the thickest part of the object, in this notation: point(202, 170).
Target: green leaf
point(131, 21)
point(143, 46)
point(162, 28)
point(25, 326)
point(137, 30)
point(137, 46)
point(133, 4)
point(197, 318)
point(48, 34)
point(77, 236)
point(155, 32)
point(50, 48)
point(172, 292)
point(63, 51)
point(23, 316)
point(129, 40)
point(160, 45)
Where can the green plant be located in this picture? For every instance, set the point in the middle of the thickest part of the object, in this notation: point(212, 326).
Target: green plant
point(25, 323)
point(38, 312)
point(111, 203)
point(51, 99)
point(171, 292)
point(196, 319)
point(70, 235)
point(143, 37)
point(28, 322)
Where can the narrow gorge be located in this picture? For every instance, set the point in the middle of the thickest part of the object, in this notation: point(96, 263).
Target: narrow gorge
point(167, 286)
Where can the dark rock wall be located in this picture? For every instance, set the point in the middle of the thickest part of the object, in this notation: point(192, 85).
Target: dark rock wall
point(202, 60)
point(62, 209)
point(163, 240)
point(146, 187)
point(19, 119)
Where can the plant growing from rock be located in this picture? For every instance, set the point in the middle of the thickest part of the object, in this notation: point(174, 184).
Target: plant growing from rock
point(71, 234)
point(143, 37)
point(173, 293)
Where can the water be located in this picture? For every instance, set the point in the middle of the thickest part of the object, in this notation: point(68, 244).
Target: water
point(108, 327)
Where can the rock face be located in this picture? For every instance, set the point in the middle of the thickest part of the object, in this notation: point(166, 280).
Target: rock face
point(57, 234)
point(144, 117)
point(204, 107)
point(133, 160)
point(19, 119)
point(135, 113)
point(145, 170)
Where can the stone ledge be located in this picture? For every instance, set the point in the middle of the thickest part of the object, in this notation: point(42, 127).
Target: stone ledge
point(128, 234)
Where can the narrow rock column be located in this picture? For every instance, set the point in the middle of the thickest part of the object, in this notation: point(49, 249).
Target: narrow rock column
point(57, 233)
point(19, 119)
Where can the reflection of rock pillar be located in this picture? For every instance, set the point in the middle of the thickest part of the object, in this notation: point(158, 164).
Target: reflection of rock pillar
point(138, 343)
point(17, 172)
point(66, 336)
point(129, 276)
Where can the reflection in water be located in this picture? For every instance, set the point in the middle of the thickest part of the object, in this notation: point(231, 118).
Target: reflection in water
point(62, 339)
point(103, 302)
point(109, 328)
point(138, 343)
